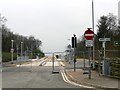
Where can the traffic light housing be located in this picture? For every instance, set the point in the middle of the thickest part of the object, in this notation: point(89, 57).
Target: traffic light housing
point(75, 60)
point(74, 42)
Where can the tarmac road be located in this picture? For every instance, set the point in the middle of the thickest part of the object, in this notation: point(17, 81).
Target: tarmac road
point(33, 77)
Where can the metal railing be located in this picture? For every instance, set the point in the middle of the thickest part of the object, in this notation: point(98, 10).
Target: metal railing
point(109, 66)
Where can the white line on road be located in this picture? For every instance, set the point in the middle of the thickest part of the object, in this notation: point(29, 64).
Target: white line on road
point(51, 63)
point(64, 77)
point(70, 82)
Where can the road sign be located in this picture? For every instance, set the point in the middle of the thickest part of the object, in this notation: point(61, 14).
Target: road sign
point(89, 34)
point(116, 43)
point(12, 50)
point(104, 39)
point(88, 43)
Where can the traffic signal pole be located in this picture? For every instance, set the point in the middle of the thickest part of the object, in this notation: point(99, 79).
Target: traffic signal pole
point(74, 54)
point(74, 45)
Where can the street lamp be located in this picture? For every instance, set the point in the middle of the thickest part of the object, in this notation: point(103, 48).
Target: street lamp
point(17, 52)
point(93, 31)
point(2, 21)
point(21, 50)
point(12, 50)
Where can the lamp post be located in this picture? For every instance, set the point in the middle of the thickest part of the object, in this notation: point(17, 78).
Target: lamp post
point(93, 31)
point(27, 52)
point(21, 50)
point(17, 52)
point(2, 21)
point(12, 50)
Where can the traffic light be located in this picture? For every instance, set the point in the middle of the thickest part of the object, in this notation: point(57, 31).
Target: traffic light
point(74, 42)
point(75, 61)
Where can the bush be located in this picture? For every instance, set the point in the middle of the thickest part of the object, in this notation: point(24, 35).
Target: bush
point(6, 56)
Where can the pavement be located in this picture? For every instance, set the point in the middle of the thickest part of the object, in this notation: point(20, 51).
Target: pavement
point(97, 81)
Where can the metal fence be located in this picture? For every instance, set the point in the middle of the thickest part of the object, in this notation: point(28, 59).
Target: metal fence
point(109, 66)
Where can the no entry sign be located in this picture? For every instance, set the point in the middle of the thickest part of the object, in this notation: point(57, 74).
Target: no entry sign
point(89, 34)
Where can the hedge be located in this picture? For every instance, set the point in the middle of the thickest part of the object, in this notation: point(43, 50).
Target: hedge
point(6, 56)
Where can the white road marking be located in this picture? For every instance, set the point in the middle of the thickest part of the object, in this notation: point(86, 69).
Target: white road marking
point(61, 63)
point(51, 63)
point(63, 77)
point(70, 82)
point(30, 64)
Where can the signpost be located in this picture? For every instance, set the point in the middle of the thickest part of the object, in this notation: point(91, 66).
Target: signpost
point(104, 40)
point(116, 43)
point(89, 35)
point(89, 43)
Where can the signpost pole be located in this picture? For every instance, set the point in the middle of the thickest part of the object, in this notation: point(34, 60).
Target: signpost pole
point(89, 63)
point(84, 60)
point(89, 35)
point(104, 48)
point(104, 40)
point(99, 70)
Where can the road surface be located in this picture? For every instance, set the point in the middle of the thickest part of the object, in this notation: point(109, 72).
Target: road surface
point(33, 76)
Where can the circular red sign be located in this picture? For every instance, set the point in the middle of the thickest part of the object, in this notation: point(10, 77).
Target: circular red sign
point(89, 34)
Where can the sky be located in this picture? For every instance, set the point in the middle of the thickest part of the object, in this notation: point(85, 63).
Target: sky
point(54, 21)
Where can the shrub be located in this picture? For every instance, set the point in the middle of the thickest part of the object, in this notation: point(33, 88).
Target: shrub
point(6, 56)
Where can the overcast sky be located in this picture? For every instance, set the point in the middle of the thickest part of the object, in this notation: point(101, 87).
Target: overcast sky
point(54, 21)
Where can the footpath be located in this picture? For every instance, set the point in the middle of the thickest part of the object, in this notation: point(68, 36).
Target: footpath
point(97, 81)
